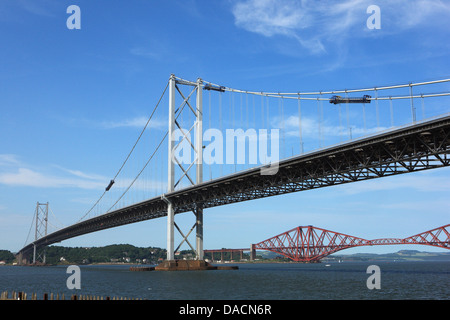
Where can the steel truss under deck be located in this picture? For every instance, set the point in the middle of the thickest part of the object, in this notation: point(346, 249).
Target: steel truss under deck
point(417, 148)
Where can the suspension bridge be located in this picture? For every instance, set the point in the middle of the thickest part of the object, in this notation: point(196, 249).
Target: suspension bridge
point(225, 145)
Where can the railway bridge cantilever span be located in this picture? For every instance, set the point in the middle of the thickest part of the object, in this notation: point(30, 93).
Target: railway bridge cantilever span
point(311, 244)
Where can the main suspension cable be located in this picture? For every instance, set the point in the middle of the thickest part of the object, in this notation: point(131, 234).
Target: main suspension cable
point(140, 172)
point(129, 154)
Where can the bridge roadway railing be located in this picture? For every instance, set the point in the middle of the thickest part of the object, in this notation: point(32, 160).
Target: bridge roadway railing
point(420, 146)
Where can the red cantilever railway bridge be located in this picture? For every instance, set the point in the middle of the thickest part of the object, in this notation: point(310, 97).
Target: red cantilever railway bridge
point(311, 244)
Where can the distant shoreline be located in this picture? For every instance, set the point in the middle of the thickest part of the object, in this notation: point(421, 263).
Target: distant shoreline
point(263, 261)
point(262, 257)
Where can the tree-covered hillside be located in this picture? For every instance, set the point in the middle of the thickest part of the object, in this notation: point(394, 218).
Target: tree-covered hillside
point(112, 253)
point(6, 256)
point(126, 253)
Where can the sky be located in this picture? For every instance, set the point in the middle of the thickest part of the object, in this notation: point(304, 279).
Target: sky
point(74, 101)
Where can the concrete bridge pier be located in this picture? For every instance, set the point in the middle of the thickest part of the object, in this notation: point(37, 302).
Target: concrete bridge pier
point(21, 259)
point(252, 252)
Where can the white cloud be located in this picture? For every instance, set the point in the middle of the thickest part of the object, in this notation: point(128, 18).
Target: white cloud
point(84, 175)
point(138, 122)
point(135, 122)
point(14, 172)
point(310, 128)
point(412, 13)
point(269, 17)
point(30, 178)
point(144, 52)
point(309, 22)
point(8, 159)
point(422, 206)
point(44, 8)
point(418, 182)
point(319, 25)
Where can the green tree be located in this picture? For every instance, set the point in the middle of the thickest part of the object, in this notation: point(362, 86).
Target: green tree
point(6, 256)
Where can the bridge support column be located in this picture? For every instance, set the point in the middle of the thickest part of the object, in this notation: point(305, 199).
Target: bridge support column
point(170, 232)
point(171, 170)
point(252, 252)
point(199, 165)
point(199, 236)
point(23, 259)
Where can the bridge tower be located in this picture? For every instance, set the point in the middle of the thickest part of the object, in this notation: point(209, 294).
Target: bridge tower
point(41, 220)
point(175, 161)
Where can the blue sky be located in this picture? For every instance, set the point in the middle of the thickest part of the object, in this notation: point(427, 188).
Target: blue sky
point(73, 103)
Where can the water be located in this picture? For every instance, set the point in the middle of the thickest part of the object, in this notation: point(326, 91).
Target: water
point(277, 281)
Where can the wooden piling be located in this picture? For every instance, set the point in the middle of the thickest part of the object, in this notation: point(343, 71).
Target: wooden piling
point(5, 295)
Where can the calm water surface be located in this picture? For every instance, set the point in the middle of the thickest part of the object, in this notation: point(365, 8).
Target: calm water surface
point(288, 281)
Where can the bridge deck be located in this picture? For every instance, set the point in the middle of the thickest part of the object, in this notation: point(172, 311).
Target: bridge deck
point(421, 146)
